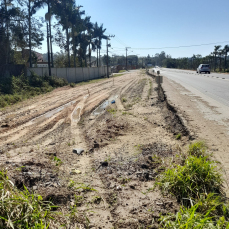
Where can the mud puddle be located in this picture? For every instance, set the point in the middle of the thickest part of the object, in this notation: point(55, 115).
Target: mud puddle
point(100, 109)
point(52, 112)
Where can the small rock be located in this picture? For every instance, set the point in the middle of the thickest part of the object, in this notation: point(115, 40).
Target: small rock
point(78, 151)
point(34, 187)
point(118, 188)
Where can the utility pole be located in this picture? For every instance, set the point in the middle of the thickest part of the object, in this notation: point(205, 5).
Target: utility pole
point(108, 45)
point(30, 52)
point(48, 50)
point(126, 56)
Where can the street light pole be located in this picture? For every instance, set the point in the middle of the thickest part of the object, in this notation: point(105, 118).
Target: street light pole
point(108, 45)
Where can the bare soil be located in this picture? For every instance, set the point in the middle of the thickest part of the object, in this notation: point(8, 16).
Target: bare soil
point(125, 148)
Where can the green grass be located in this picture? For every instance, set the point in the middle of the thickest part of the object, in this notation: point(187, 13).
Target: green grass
point(112, 111)
point(178, 136)
point(197, 176)
point(193, 218)
point(22, 209)
point(197, 149)
point(117, 75)
point(120, 71)
point(15, 89)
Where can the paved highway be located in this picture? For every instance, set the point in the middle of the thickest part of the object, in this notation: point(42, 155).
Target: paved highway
point(214, 85)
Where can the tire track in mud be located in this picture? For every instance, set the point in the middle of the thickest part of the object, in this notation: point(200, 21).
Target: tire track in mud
point(40, 123)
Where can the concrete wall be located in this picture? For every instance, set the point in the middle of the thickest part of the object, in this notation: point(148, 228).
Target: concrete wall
point(72, 75)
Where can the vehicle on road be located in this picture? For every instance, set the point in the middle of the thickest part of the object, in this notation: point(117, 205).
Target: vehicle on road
point(203, 68)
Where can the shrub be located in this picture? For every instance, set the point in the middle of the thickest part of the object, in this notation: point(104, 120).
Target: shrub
point(72, 84)
point(17, 88)
point(197, 149)
point(197, 176)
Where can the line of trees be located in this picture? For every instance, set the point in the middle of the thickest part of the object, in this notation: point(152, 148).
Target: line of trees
point(218, 60)
point(21, 31)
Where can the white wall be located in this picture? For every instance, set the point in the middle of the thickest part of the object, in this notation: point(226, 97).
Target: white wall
point(72, 75)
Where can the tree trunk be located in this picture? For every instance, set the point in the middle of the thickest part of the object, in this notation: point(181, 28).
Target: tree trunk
point(90, 53)
point(74, 46)
point(30, 52)
point(50, 33)
point(97, 59)
point(67, 36)
point(225, 61)
point(215, 62)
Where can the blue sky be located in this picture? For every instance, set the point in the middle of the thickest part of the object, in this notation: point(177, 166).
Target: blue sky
point(157, 24)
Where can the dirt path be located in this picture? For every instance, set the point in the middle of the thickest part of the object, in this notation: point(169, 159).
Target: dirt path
point(125, 147)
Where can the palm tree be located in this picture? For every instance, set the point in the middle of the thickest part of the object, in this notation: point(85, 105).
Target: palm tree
point(225, 50)
point(220, 52)
point(101, 36)
point(217, 47)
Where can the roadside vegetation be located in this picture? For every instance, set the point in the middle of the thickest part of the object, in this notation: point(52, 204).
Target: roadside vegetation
point(197, 184)
point(22, 209)
point(17, 88)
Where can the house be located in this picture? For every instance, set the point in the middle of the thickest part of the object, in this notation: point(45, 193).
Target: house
point(41, 64)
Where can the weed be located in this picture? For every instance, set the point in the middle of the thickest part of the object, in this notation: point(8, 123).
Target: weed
point(197, 149)
point(193, 217)
point(178, 136)
point(124, 100)
point(112, 111)
point(96, 199)
point(72, 84)
point(197, 176)
point(21, 209)
point(71, 184)
point(86, 188)
point(69, 144)
point(58, 161)
point(150, 89)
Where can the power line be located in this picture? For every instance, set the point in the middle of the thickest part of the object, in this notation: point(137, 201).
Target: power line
point(186, 46)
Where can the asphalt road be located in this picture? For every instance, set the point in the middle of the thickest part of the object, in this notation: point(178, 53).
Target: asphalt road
point(214, 85)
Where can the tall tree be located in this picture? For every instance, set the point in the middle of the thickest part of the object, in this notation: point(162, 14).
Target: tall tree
point(225, 50)
point(217, 47)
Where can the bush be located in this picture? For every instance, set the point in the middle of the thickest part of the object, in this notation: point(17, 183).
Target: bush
point(14, 89)
point(197, 176)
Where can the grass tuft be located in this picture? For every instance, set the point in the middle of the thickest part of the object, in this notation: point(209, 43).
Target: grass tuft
point(178, 136)
point(192, 218)
point(21, 209)
point(197, 176)
point(197, 149)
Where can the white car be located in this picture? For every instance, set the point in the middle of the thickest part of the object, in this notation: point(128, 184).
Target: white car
point(203, 68)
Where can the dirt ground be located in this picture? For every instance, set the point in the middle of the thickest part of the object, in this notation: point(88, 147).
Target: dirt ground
point(125, 145)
